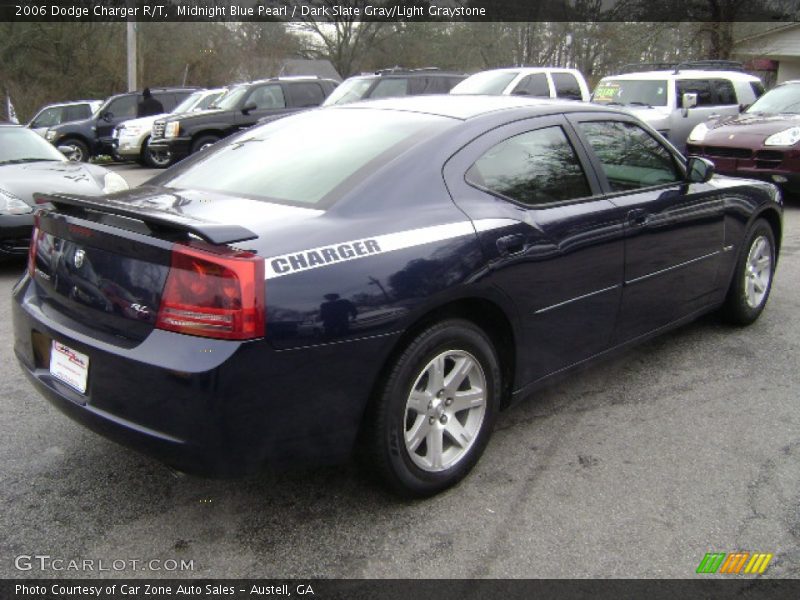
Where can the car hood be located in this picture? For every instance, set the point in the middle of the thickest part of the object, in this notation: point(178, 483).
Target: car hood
point(46, 177)
point(144, 121)
point(757, 124)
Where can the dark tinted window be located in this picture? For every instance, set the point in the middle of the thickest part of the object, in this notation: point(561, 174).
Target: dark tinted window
point(124, 107)
point(76, 112)
point(48, 117)
point(701, 87)
point(758, 88)
point(387, 88)
point(535, 168)
point(567, 86)
point(725, 92)
point(533, 85)
point(429, 85)
point(266, 96)
point(631, 157)
point(306, 93)
point(167, 100)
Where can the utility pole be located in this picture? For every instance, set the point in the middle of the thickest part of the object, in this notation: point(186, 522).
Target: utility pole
point(132, 84)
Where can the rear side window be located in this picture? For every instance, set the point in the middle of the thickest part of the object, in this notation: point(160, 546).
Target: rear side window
point(429, 85)
point(76, 112)
point(533, 85)
point(535, 168)
point(306, 93)
point(725, 92)
point(167, 100)
point(266, 97)
point(701, 87)
point(567, 86)
point(388, 88)
point(631, 157)
point(758, 88)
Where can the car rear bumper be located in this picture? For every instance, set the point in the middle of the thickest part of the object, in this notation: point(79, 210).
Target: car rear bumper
point(15, 234)
point(213, 408)
point(178, 147)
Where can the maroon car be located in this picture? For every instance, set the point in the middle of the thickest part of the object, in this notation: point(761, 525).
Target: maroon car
point(762, 142)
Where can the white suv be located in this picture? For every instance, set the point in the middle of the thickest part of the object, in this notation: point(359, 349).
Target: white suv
point(537, 82)
point(674, 98)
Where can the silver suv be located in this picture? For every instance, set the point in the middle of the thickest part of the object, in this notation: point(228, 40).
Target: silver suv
point(674, 98)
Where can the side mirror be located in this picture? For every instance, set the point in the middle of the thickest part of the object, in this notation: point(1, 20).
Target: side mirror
point(699, 170)
point(107, 116)
point(744, 107)
point(689, 100)
point(68, 151)
point(250, 106)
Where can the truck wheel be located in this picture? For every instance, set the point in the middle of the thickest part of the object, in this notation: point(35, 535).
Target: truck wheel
point(81, 153)
point(203, 142)
point(157, 159)
point(436, 410)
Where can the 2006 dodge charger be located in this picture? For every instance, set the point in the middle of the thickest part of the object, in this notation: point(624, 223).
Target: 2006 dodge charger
point(381, 277)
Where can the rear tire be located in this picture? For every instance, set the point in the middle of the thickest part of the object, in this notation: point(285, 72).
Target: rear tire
point(436, 410)
point(752, 279)
point(203, 142)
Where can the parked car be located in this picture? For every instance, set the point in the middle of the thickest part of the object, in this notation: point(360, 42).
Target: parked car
point(762, 142)
point(242, 107)
point(501, 264)
point(131, 138)
point(30, 165)
point(674, 98)
point(389, 83)
point(55, 114)
point(94, 136)
point(537, 82)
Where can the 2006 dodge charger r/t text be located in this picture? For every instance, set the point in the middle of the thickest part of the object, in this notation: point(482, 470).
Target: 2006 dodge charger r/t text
point(381, 277)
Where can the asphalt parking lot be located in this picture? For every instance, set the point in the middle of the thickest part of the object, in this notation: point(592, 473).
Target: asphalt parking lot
point(636, 468)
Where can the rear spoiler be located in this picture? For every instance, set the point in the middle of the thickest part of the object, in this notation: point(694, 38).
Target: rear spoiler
point(214, 233)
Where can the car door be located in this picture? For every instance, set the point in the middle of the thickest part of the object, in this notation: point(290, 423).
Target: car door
point(119, 110)
point(261, 101)
point(553, 243)
point(674, 231)
point(715, 98)
point(306, 94)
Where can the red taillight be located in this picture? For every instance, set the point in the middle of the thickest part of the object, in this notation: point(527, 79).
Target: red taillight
point(32, 247)
point(213, 295)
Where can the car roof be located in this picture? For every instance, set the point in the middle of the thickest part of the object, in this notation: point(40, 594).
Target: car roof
point(467, 106)
point(686, 74)
point(526, 70)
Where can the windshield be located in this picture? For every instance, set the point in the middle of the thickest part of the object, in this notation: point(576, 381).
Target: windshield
point(231, 99)
point(782, 99)
point(18, 144)
point(351, 90)
point(490, 82)
point(308, 159)
point(636, 92)
point(187, 103)
point(208, 100)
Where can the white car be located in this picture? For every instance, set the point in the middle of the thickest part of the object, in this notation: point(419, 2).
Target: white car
point(131, 137)
point(536, 82)
point(63, 112)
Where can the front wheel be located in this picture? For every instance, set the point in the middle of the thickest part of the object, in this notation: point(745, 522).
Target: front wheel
point(157, 159)
point(752, 280)
point(436, 411)
point(80, 151)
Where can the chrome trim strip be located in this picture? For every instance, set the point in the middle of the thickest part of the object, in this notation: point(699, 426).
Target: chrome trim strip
point(583, 297)
point(672, 268)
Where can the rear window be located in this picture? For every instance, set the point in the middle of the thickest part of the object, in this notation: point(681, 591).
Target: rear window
point(488, 82)
point(309, 159)
point(567, 86)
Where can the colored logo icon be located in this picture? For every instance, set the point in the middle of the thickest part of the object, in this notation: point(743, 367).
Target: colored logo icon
point(735, 563)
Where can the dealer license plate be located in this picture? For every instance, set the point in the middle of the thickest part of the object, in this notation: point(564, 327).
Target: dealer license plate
point(69, 366)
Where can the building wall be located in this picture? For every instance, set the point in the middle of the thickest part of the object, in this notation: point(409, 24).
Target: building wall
point(788, 68)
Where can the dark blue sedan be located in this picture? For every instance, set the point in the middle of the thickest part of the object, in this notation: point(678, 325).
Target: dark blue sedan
point(381, 277)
